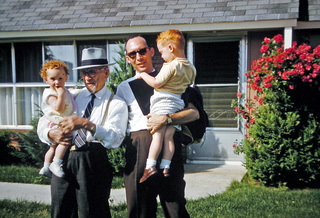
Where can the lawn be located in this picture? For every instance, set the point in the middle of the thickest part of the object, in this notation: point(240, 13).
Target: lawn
point(241, 199)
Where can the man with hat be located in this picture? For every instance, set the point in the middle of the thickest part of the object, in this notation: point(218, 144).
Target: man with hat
point(101, 123)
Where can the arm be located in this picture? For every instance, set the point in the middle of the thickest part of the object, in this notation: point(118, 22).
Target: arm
point(112, 133)
point(68, 124)
point(188, 114)
point(49, 136)
point(150, 80)
point(58, 103)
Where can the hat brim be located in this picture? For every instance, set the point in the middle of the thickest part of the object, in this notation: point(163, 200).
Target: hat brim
point(92, 66)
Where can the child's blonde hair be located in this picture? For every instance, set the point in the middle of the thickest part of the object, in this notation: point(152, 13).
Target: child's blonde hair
point(53, 64)
point(172, 36)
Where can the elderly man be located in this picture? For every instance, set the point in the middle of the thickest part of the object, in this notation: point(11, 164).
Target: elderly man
point(101, 123)
point(141, 198)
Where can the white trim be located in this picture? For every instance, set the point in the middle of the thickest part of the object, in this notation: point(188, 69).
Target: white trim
point(217, 85)
point(307, 25)
point(20, 127)
point(249, 25)
point(288, 31)
point(32, 84)
point(14, 88)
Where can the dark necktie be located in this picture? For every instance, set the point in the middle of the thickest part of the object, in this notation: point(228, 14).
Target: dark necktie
point(80, 138)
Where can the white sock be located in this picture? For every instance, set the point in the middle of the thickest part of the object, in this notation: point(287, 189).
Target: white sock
point(165, 164)
point(151, 163)
point(46, 164)
point(57, 161)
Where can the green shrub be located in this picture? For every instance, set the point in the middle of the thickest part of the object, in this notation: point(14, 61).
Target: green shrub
point(123, 71)
point(283, 132)
point(6, 150)
point(31, 150)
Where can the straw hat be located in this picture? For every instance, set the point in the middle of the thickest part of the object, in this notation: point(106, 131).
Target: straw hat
point(93, 57)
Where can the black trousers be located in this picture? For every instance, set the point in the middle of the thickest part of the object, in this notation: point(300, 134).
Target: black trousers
point(86, 186)
point(141, 198)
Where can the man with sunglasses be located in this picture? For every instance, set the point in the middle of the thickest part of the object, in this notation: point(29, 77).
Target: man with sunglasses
point(141, 198)
point(101, 123)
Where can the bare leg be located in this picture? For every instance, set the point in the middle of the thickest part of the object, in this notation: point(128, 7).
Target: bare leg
point(60, 151)
point(56, 166)
point(156, 144)
point(168, 147)
point(50, 154)
point(48, 158)
point(154, 151)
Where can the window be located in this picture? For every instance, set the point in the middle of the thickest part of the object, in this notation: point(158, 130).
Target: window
point(63, 51)
point(111, 49)
point(217, 65)
point(5, 63)
point(21, 86)
point(28, 61)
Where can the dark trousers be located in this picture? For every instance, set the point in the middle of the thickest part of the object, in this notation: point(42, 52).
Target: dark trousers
point(141, 198)
point(86, 186)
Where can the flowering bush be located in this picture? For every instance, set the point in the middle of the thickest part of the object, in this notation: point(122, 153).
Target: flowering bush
point(281, 145)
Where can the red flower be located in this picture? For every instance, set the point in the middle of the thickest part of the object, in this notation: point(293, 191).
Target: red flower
point(285, 76)
point(237, 110)
point(291, 86)
point(239, 94)
point(278, 38)
point(234, 145)
point(267, 85)
point(267, 40)
point(264, 48)
point(260, 100)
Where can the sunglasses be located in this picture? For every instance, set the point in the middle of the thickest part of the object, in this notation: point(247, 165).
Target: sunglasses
point(142, 51)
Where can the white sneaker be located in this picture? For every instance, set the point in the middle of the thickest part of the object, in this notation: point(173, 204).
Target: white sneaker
point(56, 169)
point(45, 171)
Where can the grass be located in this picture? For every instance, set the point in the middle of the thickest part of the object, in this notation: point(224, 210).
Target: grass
point(244, 200)
point(241, 199)
point(30, 175)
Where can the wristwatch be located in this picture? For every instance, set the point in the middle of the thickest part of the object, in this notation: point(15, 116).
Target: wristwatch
point(169, 121)
point(93, 129)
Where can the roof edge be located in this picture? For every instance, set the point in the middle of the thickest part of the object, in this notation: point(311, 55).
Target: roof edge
point(248, 25)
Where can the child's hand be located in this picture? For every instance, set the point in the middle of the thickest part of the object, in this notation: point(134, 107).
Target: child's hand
point(138, 75)
point(61, 91)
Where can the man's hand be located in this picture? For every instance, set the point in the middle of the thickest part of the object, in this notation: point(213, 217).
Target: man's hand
point(69, 124)
point(155, 122)
point(58, 136)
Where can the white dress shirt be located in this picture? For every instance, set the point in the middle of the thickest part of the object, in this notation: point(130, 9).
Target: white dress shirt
point(112, 133)
point(137, 121)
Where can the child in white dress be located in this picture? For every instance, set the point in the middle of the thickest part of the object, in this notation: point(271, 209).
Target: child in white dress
point(57, 103)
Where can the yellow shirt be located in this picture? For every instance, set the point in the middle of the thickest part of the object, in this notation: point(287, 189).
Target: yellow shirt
point(176, 76)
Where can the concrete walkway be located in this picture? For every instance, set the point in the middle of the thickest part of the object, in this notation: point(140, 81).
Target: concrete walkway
point(202, 180)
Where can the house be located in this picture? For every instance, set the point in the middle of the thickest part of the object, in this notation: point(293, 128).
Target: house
point(223, 38)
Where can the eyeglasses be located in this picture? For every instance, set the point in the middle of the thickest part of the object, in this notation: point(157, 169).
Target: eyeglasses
point(142, 51)
point(90, 73)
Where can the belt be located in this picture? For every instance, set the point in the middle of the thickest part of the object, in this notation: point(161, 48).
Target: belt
point(85, 146)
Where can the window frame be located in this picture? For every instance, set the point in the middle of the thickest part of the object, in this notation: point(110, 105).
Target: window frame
point(242, 63)
point(14, 85)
